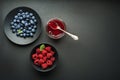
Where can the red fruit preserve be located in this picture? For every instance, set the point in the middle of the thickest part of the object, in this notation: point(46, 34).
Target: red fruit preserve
point(52, 30)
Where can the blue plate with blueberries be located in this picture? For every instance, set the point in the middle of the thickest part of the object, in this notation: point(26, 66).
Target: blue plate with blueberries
point(22, 25)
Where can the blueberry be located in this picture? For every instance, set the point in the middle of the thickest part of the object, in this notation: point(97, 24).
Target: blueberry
point(24, 30)
point(27, 35)
point(19, 14)
point(23, 22)
point(20, 18)
point(14, 20)
point(16, 17)
point(23, 16)
point(24, 34)
point(26, 24)
point(29, 24)
point(29, 28)
point(17, 34)
point(34, 26)
point(20, 10)
point(33, 30)
point(18, 26)
point(31, 34)
point(12, 27)
point(27, 31)
point(35, 20)
point(31, 21)
point(21, 35)
point(31, 14)
point(23, 13)
point(33, 17)
point(12, 23)
point(27, 19)
point(18, 21)
point(13, 30)
point(21, 28)
point(26, 13)
point(15, 24)
point(27, 16)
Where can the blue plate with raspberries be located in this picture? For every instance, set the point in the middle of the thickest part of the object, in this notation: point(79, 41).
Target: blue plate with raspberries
point(22, 25)
point(44, 57)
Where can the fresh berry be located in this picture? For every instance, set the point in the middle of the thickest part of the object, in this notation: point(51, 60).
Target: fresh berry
point(45, 58)
point(36, 62)
point(49, 62)
point(40, 56)
point(44, 52)
point(38, 50)
point(41, 61)
point(48, 48)
point(33, 30)
point(52, 52)
point(44, 66)
point(23, 21)
point(49, 55)
point(31, 34)
point(34, 56)
point(52, 59)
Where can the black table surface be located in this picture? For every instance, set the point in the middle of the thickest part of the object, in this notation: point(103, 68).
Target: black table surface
point(95, 56)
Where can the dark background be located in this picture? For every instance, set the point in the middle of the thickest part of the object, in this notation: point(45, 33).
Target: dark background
point(96, 56)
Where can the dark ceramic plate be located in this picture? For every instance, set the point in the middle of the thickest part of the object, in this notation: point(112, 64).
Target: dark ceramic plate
point(11, 36)
point(38, 68)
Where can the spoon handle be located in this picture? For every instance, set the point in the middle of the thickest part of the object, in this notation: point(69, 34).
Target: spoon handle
point(71, 35)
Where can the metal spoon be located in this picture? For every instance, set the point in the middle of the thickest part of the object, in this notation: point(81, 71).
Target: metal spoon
point(54, 27)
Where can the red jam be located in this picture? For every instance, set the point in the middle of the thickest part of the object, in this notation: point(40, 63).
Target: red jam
point(55, 33)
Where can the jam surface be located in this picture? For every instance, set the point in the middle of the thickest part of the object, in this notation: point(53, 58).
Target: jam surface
point(55, 32)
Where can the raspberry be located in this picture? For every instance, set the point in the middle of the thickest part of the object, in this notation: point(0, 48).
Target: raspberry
point(34, 56)
point(48, 48)
point(40, 56)
point(49, 55)
point(44, 52)
point(38, 50)
point(41, 61)
point(44, 66)
point(52, 52)
point(36, 62)
point(52, 59)
point(45, 58)
point(49, 62)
